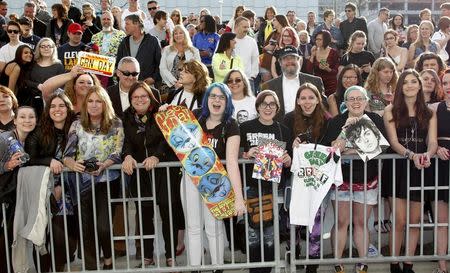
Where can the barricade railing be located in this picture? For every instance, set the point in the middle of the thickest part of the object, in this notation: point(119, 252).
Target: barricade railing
point(263, 246)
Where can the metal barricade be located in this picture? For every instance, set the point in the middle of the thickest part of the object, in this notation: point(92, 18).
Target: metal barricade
point(282, 259)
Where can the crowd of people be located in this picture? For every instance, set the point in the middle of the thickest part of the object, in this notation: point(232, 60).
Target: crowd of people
point(274, 76)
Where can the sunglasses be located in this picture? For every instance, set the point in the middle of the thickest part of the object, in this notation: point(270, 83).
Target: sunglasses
point(153, 8)
point(128, 73)
point(13, 31)
point(235, 81)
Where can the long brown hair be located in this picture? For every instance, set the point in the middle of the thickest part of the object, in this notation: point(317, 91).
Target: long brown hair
point(200, 72)
point(108, 115)
point(47, 124)
point(400, 114)
point(317, 119)
point(373, 80)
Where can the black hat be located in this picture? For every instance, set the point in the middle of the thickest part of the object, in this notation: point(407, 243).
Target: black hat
point(288, 50)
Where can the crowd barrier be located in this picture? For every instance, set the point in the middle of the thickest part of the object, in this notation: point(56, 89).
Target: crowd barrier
point(235, 257)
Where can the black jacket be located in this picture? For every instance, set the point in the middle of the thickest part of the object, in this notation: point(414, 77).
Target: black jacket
point(140, 145)
point(348, 28)
point(148, 56)
point(40, 154)
point(50, 32)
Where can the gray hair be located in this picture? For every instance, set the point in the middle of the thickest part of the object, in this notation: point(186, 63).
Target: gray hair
point(129, 60)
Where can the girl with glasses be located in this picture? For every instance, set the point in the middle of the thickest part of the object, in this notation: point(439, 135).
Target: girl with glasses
point(243, 99)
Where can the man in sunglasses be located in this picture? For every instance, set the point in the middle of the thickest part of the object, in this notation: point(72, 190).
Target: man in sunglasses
point(68, 52)
point(127, 72)
point(352, 23)
point(8, 51)
point(149, 23)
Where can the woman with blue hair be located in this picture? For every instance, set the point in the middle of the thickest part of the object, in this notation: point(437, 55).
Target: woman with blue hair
point(360, 187)
point(223, 135)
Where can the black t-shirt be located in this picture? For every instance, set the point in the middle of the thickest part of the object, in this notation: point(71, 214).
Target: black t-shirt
point(250, 132)
point(359, 59)
point(68, 54)
point(218, 136)
point(32, 41)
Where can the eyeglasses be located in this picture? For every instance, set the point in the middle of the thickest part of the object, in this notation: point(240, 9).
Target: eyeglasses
point(128, 73)
point(235, 81)
point(46, 46)
point(13, 31)
point(271, 105)
point(143, 97)
point(346, 78)
point(358, 99)
point(153, 8)
point(214, 97)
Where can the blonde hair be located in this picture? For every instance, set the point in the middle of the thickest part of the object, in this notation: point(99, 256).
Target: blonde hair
point(419, 42)
point(108, 115)
point(187, 43)
point(37, 51)
point(373, 80)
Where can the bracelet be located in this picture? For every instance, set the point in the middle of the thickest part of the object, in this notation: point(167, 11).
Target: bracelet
point(407, 153)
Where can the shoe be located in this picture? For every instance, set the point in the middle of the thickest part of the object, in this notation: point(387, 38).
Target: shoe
point(395, 268)
point(407, 268)
point(339, 269)
point(387, 225)
point(311, 268)
point(147, 263)
point(361, 268)
point(107, 267)
point(180, 250)
point(372, 251)
point(171, 263)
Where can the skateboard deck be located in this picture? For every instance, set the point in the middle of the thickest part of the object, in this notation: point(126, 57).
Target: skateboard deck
point(185, 136)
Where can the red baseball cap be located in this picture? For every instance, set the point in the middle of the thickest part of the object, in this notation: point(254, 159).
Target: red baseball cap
point(75, 28)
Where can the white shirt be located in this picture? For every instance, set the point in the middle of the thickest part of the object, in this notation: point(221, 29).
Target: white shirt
point(312, 179)
point(124, 101)
point(127, 12)
point(148, 24)
point(8, 52)
point(247, 49)
point(290, 87)
point(244, 109)
point(187, 97)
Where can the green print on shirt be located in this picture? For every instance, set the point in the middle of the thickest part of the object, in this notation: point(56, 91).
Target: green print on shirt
point(312, 176)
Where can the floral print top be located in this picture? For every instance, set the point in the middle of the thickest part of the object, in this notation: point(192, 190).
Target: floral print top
point(108, 42)
point(83, 145)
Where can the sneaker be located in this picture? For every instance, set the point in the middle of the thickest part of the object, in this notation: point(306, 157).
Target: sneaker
point(361, 268)
point(372, 251)
point(395, 268)
point(339, 269)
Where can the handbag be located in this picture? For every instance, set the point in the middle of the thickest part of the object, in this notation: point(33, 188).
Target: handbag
point(253, 210)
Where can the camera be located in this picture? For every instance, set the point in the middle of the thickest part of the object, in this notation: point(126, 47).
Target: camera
point(91, 164)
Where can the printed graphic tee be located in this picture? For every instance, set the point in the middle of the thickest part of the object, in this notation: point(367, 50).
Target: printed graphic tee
point(314, 170)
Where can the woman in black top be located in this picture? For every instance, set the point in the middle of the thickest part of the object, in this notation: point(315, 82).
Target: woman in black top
point(8, 105)
point(45, 146)
point(144, 143)
point(57, 28)
point(359, 188)
point(412, 129)
point(309, 121)
point(267, 105)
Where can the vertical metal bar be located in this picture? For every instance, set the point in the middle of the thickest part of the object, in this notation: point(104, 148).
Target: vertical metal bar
point(292, 243)
point(155, 218)
point(394, 195)
point(350, 243)
point(94, 213)
point(186, 220)
point(172, 230)
point(276, 228)
point(261, 229)
point(380, 204)
point(232, 239)
point(436, 189)
point(66, 232)
point(139, 211)
point(38, 257)
point(422, 202)
point(125, 217)
point(336, 223)
point(5, 232)
point(365, 239)
point(408, 198)
point(247, 248)
point(80, 222)
point(110, 220)
point(50, 230)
